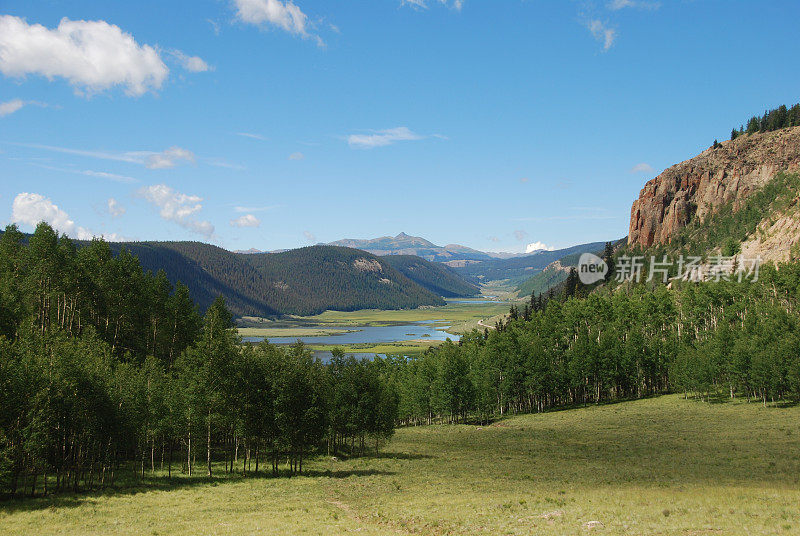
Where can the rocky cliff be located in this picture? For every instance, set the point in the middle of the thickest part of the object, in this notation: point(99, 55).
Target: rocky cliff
point(697, 187)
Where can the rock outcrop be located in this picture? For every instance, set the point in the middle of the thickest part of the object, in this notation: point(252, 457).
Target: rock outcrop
point(698, 187)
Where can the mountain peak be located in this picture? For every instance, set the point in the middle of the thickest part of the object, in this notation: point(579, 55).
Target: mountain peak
point(405, 244)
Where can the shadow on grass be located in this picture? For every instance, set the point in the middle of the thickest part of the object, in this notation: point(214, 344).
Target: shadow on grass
point(725, 398)
point(385, 456)
point(133, 486)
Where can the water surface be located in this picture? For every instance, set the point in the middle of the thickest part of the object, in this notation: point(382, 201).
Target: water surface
point(425, 330)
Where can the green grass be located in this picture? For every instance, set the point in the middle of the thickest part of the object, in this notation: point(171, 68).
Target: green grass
point(461, 317)
point(291, 332)
point(407, 348)
point(663, 466)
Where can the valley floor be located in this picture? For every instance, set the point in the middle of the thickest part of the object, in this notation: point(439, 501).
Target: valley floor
point(664, 466)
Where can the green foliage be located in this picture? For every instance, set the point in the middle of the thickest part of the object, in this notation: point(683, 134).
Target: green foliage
point(738, 339)
point(775, 119)
point(104, 366)
point(714, 468)
point(540, 283)
point(363, 403)
point(728, 226)
point(436, 277)
point(304, 281)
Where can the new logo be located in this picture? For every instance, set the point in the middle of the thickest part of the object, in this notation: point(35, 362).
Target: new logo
point(591, 269)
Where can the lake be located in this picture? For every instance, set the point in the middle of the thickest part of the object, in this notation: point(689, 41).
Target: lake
point(476, 300)
point(372, 335)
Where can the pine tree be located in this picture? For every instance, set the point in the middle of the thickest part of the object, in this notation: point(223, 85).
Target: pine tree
point(608, 258)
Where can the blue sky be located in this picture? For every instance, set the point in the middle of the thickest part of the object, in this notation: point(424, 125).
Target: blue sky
point(270, 124)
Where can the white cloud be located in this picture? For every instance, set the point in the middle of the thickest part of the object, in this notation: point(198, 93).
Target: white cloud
point(168, 158)
point(254, 209)
point(9, 107)
point(106, 175)
point(178, 208)
point(616, 5)
point(309, 236)
point(538, 246)
point(382, 138)
point(282, 14)
point(251, 136)
point(194, 64)
point(221, 163)
point(115, 209)
point(423, 4)
point(92, 55)
point(248, 220)
point(91, 173)
point(642, 168)
point(296, 156)
point(14, 105)
point(31, 209)
point(602, 33)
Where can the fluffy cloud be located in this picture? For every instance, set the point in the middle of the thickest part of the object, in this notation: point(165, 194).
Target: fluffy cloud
point(382, 138)
point(194, 64)
point(31, 209)
point(178, 208)
point(9, 107)
point(310, 236)
point(285, 15)
point(602, 33)
point(248, 220)
point(296, 156)
point(115, 209)
point(92, 55)
point(538, 246)
point(642, 168)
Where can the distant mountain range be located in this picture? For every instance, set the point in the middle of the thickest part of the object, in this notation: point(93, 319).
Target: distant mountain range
point(469, 266)
point(516, 270)
point(404, 244)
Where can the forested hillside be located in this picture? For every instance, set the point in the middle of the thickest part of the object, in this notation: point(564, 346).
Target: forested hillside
point(708, 340)
point(303, 282)
point(436, 277)
point(312, 279)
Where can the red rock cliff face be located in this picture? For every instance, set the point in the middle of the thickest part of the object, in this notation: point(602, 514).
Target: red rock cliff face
point(698, 187)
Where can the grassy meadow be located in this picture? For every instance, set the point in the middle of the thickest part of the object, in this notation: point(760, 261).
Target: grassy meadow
point(460, 317)
point(665, 466)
